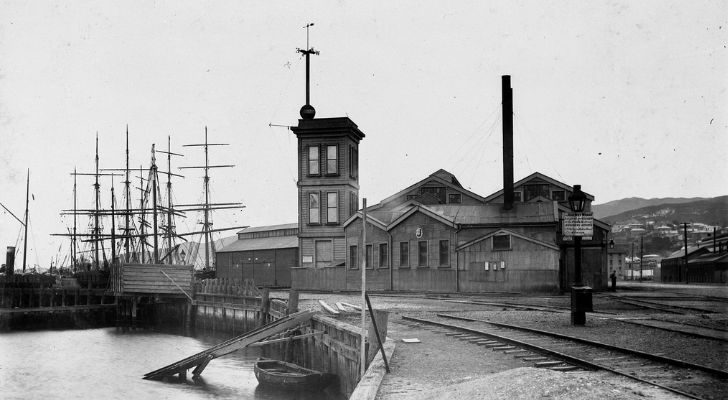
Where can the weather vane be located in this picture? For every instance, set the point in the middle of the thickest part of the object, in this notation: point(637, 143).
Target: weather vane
point(307, 111)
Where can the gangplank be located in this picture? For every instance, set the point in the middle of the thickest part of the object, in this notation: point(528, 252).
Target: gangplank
point(200, 360)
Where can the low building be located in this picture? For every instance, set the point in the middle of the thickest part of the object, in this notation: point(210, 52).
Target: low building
point(263, 254)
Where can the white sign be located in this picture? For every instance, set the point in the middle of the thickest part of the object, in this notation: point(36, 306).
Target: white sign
point(578, 224)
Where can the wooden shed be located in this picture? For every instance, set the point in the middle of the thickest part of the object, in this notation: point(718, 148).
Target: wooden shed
point(132, 279)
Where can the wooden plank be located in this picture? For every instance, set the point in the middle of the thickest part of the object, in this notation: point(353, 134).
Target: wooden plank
point(232, 345)
point(328, 308)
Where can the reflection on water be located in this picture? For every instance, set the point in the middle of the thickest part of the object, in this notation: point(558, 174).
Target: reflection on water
point(109, 364)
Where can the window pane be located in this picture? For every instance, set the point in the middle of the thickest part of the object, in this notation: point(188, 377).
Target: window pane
point(332, 160)
point(558, 195)
point(454, 198)
point(404, 254)
point(353, 257)
point(369, 256)
point(313, 208)
point(332, 205)
point(444, 252)
point(422, 253)
point(502, 242)
point(383, 256)
point(313, 160)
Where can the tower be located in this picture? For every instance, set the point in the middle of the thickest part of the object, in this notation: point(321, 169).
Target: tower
point(328, 182)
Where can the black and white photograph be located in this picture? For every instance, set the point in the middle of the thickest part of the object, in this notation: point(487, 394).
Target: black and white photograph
point(380, 200)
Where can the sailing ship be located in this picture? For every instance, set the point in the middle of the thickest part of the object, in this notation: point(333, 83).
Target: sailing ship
point(146, 233)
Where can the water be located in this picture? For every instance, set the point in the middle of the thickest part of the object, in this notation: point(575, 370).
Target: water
point(109, 364)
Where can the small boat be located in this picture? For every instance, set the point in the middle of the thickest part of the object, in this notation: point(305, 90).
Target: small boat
point(290, 376)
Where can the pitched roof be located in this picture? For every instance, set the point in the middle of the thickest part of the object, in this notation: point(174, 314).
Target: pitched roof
point(453, 215)
point(269, 228)
point(537, 175)
point(276, 242)
point(494, 214)
point(506, 231)
point(441, 176)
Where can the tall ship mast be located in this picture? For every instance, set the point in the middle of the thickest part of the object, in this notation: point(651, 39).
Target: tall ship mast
point(208, 207)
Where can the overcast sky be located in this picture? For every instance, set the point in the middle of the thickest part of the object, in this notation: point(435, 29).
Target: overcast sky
point(625, 98)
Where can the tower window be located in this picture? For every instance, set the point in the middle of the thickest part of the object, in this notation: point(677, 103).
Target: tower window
point(313, 160)
point(332, 160)
point(332, 207)
point(353, 162)
point(314, 205)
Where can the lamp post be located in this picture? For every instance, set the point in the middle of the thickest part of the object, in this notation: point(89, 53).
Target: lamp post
point(581, 296)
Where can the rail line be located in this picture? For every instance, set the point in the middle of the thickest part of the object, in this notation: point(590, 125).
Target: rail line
point(552, 350)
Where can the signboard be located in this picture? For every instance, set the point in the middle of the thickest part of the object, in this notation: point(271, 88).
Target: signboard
point(578, 224)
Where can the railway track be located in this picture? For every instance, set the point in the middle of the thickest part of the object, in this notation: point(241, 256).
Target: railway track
point(565, 353)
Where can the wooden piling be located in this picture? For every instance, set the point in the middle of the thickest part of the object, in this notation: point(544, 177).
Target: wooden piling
point(292, 301)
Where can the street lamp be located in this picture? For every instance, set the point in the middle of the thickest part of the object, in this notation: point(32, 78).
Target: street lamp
point(581, 296)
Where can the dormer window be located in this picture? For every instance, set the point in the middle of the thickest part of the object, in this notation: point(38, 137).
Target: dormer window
point(454, 198)
point(558, 195)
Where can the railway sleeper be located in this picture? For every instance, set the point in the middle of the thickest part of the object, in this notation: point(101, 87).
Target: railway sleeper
point(548, 364)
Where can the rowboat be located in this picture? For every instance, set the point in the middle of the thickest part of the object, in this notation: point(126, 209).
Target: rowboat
point(290, 376)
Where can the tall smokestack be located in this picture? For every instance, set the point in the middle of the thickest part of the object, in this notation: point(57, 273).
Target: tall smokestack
point(507, 142)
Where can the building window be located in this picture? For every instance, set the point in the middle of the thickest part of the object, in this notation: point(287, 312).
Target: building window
point(444, 252)
point(353, 257)
point(404, 254)
point(517, 197)
point(353, 162)
point(332, 208)
point(558, 195)
point(436, 191)
point(501, 242)
point(369, 256)
point(454, 198)
point(535, 190)
point(412, 197)
point(324, 253)
point(313, 160)
point(353, 203)
point(422, 254)
point(332, 160)
point(314, 207)
point(383, 256)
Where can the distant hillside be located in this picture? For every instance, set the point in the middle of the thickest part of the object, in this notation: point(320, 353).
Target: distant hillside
point(615, 207)
point(708, 211)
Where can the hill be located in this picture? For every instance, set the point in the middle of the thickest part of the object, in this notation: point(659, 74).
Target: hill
point(615, 207)
point(708, 211)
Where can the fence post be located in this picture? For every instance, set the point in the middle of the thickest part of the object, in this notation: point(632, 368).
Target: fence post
point(292, 301)
point(264, 306)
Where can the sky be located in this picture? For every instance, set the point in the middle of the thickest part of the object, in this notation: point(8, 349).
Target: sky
point(625, 98)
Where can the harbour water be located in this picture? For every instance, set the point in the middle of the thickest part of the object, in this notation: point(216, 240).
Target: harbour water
point(109, 363)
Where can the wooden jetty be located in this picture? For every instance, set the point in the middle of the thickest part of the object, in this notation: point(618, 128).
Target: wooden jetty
point(200, 360)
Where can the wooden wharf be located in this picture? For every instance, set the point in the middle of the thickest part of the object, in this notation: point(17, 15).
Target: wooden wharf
point(200, 360)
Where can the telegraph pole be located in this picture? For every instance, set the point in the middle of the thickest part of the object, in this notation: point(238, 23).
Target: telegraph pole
point(685, 241)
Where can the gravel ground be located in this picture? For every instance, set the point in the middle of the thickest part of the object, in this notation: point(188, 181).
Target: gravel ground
point(442, 367)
